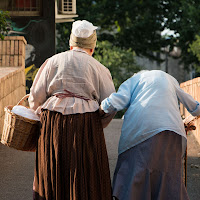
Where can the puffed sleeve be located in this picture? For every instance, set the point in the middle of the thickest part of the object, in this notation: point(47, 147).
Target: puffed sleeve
point(38, 91)
point(106, 85)
point(106, 88)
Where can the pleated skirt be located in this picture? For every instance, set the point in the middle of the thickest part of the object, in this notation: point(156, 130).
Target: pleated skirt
point(152, 170)
point(71, 158)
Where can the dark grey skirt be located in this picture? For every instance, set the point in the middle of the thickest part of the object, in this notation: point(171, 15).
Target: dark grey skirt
point(151, 170)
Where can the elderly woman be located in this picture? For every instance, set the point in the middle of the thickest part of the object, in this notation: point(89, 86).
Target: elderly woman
point(71, 157)
point(153, 137)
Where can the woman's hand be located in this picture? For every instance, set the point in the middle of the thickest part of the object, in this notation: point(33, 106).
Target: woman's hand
point(101, 112)
point(190, 126)
point(189, 123)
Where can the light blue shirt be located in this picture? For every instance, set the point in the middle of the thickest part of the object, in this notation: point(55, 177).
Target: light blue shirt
point(152, 102)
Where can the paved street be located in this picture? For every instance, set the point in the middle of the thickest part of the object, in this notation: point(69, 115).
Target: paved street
point(17, 167)
point(193, 168)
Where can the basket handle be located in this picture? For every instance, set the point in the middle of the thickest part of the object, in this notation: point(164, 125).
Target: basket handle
point(22, 100)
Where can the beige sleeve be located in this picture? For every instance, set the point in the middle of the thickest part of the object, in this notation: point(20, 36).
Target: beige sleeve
point(106, 89)
point(106, 85)
point(38, 94)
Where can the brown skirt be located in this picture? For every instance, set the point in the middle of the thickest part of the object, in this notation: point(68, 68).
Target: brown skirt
point(71, 158)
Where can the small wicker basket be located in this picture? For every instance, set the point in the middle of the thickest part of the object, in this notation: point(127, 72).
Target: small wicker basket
point(19, 132)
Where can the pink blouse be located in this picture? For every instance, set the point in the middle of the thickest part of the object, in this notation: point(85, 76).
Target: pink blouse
point(74, 71)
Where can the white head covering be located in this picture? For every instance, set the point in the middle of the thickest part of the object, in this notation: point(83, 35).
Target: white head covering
point(83, 29)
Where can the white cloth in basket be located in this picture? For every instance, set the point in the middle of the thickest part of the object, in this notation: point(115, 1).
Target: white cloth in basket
point(25, 112)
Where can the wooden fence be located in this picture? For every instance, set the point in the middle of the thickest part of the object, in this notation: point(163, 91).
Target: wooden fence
point(192, 87)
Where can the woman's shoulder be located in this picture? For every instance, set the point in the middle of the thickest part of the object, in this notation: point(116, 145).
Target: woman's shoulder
point(57, 58)
point(59, 55)
point(99, 66)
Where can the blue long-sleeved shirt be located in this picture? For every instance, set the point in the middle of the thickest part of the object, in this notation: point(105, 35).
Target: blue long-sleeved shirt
point(152, 102)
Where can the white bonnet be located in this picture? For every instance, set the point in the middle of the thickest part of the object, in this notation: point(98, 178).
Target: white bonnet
point(83, 28)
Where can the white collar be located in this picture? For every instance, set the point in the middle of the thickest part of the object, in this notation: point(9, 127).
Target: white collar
point(80, 50)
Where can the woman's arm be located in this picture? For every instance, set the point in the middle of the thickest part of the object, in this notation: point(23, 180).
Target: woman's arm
point(106, 88)
point(38, 94)
point(188, 101)
point(120, 100)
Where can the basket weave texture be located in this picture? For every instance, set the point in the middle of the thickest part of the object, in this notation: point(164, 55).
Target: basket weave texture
point(19, 132)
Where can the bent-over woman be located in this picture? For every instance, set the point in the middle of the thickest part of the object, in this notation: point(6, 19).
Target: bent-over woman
point(153, 137)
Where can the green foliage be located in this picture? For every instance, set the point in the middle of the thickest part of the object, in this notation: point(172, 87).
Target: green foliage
point(138, 24)
point(3, 23)
point(187, 25)
point(120, 62)
point(63, 35)
point(195, 49)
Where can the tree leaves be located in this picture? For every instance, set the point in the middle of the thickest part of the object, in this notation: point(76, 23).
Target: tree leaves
point(138, 24)
point(120, 62)
point(195, 50)
point(3, 23)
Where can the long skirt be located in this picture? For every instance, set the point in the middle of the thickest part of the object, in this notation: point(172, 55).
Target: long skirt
point(152, 170)
point(71, 158)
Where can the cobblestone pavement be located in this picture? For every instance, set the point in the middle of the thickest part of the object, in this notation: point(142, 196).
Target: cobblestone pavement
point(17, 167)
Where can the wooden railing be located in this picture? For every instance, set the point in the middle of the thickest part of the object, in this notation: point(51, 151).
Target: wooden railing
point(12, 72)
point(192, 87)
point(12, 51)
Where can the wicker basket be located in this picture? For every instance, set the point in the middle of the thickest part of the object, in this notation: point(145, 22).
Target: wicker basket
point(19, 132)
